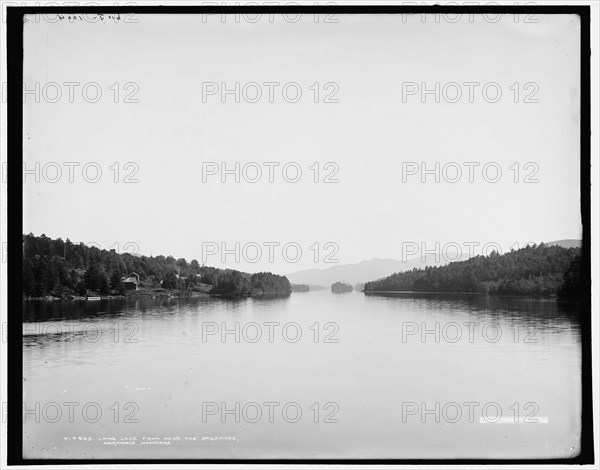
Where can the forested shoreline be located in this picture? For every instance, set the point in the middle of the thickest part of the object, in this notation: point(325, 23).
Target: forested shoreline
point(62, 269)
point(533, 270)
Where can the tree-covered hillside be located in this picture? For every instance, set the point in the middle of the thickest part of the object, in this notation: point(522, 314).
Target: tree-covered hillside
point(533, 270)
point(62, 269)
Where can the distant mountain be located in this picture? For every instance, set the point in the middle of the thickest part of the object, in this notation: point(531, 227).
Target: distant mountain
point(565, 243)
point(360, 272)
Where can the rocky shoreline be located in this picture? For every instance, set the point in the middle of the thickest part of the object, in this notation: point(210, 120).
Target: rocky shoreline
point(140, 293)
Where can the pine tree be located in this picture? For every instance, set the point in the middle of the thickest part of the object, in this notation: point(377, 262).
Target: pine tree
point(90, 278)
point(115, 280)
point(103, 286)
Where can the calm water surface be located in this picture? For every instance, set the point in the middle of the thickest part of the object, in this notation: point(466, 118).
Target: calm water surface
point(330, 376)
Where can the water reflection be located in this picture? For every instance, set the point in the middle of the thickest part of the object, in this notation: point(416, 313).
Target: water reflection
point(546, 315)
point(40, 310)
point(366, 354)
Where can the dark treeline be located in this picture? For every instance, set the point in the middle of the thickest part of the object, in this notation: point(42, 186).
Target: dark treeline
point(239, 283)
point(533, 270)
point(63, 269)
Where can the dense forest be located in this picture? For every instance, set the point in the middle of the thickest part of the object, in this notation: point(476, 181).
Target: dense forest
point(533, 270)
point(63, 269)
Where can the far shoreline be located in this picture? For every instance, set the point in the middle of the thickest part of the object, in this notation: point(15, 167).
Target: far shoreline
point(171, 294)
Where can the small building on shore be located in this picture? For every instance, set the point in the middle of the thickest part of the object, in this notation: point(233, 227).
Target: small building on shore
point(131, 282)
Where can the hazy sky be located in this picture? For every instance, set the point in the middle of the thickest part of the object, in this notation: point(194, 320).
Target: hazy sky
point(368, 134)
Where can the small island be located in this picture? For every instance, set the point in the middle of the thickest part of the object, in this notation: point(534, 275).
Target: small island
point(341, 288)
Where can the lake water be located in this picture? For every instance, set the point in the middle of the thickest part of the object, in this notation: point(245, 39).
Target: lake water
point(330, 376)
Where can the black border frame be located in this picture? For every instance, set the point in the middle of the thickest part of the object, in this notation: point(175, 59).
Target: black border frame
point(14, 33)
